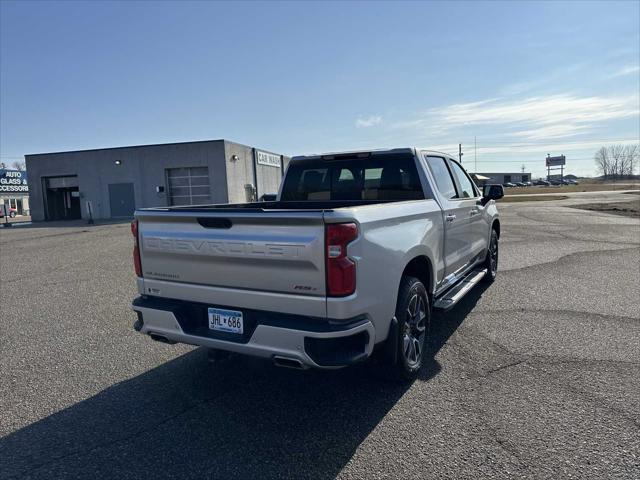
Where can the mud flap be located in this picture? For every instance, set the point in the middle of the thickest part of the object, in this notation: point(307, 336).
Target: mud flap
point(391, 345)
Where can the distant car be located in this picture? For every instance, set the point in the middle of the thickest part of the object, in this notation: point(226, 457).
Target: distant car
point(527, 184)
point(543, 183)
point(571, 182)
point(12, 212)
point(521, 184)
point(508, 184)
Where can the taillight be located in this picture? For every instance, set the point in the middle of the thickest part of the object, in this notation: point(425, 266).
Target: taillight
point(341, 270)
point(136, 249)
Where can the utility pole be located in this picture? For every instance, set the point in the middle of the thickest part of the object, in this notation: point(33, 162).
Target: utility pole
point(460, 152)
point(548, 167)
point(475, 154)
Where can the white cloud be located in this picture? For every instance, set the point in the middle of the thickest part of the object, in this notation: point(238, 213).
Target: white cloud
point(551, 131)
point(628, 70)
point(540, 110)
point(535, 118)
point(534, 148)
point(370, 121)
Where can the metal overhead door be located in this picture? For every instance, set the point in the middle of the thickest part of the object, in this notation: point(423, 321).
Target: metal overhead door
point(121, 200)
point(188, 186)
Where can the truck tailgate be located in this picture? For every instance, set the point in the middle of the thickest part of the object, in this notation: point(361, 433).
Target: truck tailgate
point(268, 251)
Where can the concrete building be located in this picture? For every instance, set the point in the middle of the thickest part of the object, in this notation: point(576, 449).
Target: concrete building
point(14, 190)
point(113, 182)
point(505, 177)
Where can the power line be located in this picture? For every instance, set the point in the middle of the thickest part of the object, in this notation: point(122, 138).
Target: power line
point(534, 160)
point(543, 143)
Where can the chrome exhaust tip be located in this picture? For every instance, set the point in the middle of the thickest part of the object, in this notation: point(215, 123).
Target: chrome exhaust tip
point(288, 362)
point(160, 338)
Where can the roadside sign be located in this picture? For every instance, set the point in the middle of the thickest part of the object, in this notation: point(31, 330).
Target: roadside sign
point(13, 181)
point(556, 161)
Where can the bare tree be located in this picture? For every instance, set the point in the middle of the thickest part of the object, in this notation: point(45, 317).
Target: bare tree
point(632, 155)
point(617, 160)
point(603, 163)
point(18, 165)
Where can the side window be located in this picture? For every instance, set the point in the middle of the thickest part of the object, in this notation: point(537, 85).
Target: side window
point(466, 186)
point(444, 182)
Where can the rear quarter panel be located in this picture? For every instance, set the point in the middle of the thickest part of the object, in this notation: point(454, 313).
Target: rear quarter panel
point(391, 235)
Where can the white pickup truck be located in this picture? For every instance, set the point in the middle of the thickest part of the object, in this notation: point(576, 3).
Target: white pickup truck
point(352, 256)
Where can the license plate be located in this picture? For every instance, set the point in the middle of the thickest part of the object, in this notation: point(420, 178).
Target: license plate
point(226, 320)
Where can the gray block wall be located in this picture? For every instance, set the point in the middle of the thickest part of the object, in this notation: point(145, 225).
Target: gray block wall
point(145, 166)
point(239, 172)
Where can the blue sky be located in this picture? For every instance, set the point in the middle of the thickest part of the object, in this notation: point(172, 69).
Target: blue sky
point(526, 79)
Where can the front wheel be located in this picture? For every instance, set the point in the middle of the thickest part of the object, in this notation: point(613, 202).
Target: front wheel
point(413, 317)
point(491, 261)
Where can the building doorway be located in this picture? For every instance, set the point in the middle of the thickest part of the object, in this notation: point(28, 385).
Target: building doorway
point(61, 198)
point(121, 200)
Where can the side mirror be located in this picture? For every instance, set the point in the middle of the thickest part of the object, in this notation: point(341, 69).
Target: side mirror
point(492, 192)
point(269, 197)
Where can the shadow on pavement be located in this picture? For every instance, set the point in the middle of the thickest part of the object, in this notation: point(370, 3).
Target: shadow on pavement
point(242, 418)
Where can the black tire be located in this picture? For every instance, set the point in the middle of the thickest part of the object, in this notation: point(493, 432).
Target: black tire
point(491, 261)
point(12, 214)
point(413, 315)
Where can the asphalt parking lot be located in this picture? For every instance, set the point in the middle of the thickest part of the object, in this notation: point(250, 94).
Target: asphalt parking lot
point(534, 377)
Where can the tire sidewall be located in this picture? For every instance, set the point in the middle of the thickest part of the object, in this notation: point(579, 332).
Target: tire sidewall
point(491, 275)
point(409, 287)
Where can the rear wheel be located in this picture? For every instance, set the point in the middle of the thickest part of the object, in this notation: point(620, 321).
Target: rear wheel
point(413, 317)
point(491, 262)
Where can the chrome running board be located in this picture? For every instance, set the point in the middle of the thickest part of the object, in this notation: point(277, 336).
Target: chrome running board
point(455, 294)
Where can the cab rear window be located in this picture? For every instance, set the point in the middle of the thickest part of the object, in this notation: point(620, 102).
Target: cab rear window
point(390, 178)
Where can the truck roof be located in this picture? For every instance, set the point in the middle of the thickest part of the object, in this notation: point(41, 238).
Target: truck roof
point(362, 153)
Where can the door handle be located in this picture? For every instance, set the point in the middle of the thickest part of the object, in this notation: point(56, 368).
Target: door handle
point(450, 218)
point(473, 212)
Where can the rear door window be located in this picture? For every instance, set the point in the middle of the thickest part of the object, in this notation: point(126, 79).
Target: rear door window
point(443, 178)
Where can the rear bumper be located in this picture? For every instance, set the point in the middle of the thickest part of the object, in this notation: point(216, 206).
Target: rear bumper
point(314, 342)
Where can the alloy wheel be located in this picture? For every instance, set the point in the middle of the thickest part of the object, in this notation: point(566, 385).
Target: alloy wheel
point(493, 255)
point(415, 327)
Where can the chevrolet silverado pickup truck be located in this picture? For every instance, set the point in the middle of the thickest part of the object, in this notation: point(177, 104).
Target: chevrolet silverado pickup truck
point(351, 257)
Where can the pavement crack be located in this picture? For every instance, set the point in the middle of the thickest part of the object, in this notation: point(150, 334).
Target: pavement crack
point(633, 248)
point(623, 318)
point(502, 367)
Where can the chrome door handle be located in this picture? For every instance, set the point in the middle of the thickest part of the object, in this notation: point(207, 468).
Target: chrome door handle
point(450, 218)
point(473, 212)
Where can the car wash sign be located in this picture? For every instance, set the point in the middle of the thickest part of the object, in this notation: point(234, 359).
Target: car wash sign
point(268, 159)
point(13, 181)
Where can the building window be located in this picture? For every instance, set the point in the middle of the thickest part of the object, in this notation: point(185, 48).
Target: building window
point(188, 186)
point(507, 178)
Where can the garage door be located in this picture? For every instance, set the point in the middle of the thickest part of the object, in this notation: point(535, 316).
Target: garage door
point(188, 186)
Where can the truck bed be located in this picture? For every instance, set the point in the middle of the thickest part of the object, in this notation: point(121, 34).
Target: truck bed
point(323, 205)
